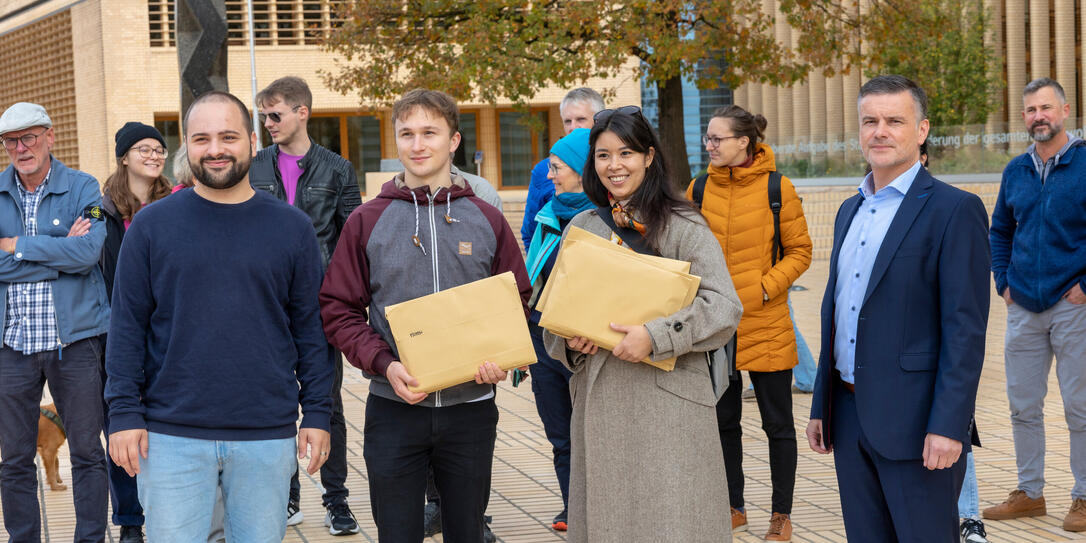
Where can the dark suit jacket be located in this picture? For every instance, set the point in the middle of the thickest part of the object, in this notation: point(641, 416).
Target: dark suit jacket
point(921, 329)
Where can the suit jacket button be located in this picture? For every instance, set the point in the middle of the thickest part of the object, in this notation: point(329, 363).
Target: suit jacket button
point(678, 327)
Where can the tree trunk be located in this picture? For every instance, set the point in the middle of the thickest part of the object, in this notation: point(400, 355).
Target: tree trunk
point(672, 136)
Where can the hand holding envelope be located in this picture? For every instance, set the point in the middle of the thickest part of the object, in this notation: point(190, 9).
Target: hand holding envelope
point(475, 331)
point(595, 283)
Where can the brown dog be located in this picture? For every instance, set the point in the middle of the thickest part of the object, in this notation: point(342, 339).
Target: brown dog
point(50, 437)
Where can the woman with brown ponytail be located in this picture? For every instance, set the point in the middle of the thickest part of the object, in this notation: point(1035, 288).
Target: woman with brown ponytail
point(735, 201)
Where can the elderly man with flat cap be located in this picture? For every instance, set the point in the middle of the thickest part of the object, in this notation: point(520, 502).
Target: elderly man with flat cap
point(53, 307)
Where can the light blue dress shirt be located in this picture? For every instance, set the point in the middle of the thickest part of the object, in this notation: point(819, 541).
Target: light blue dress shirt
point(857, 257)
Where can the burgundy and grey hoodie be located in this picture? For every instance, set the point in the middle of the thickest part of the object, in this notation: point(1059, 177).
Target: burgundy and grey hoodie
point(402, 245)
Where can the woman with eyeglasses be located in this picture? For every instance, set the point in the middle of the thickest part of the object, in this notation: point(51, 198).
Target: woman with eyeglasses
point(646, 460)
point(736, 202)
point(137, 181)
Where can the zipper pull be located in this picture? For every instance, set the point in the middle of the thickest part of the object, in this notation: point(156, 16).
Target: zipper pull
point(418, 243)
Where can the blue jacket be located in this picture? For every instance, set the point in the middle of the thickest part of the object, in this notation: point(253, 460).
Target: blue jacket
point(921, 335)
point(540, 191)
point(79, 293)
point(1038, 232)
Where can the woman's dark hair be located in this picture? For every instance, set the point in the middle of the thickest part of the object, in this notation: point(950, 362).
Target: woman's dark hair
point(125, 201)
point(656, 198)
point(743, 123)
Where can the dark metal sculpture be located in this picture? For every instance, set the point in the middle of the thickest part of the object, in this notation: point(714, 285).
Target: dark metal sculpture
point(201, 47)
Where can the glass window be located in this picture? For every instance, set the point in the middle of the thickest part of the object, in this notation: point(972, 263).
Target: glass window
point(364, 145)
point(465, 154)
point(521, 147)
point(325, 131)
point(171, 130)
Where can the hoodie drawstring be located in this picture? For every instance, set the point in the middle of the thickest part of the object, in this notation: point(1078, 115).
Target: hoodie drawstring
point(448, 210)
point(415, 238)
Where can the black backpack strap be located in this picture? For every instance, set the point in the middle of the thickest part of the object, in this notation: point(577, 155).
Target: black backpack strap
point(775, 207)
point(632, 238)
point(699, 189)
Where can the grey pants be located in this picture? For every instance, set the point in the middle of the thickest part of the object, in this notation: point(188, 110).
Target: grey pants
point(1031, 340)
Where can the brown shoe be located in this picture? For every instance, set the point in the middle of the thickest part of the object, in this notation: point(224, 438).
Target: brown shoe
point(1018, 505)
point(1075, 521)
point(739, 520)
point(780, 528)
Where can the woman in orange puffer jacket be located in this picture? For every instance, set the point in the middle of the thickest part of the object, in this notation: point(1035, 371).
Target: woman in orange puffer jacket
point(735, 203)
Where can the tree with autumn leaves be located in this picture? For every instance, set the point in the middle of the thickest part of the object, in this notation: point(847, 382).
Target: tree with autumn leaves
point(505, 50)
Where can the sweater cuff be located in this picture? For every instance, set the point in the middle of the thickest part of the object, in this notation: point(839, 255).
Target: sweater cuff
point(382, 361)
point(126, 421)
point(320, 421)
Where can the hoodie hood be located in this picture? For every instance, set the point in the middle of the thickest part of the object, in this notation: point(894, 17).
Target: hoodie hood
point(764, 162)
point(396, 189)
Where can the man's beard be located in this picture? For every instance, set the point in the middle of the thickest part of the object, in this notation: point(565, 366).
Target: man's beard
point(224, 180)
point(1043, 137)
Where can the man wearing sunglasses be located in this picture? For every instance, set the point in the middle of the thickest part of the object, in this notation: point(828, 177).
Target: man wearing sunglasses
point(324, 185)
point(53, 308)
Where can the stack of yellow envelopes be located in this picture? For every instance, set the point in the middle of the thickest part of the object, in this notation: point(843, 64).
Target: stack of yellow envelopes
point(443, 338)
point(595, 283)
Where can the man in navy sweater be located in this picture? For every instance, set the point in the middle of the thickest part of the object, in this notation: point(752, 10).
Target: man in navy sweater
point(213, 330)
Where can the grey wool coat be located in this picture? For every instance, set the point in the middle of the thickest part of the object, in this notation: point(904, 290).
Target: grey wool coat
point(646, 458)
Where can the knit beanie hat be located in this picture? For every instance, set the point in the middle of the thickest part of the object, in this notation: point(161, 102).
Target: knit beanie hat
point(133, 132)
point(573, 149)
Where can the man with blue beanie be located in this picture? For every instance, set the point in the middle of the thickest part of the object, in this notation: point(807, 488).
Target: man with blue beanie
point(550, 379)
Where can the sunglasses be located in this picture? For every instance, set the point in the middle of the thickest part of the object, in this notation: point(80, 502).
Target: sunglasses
point(603, 115)
point(274, 116)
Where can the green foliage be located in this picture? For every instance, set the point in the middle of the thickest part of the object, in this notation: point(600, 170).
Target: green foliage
point(506, 50)
point(940, 45)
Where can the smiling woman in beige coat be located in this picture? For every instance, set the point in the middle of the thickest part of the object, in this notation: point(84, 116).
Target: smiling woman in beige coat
point(646, 460)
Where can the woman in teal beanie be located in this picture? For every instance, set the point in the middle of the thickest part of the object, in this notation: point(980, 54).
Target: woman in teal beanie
point(550, 379)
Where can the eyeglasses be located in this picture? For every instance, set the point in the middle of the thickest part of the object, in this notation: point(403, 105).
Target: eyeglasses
point(28, 140)
point(146, 151)
point(275, 116)
point(603, 115)
point(553, 168)
point(714, 142)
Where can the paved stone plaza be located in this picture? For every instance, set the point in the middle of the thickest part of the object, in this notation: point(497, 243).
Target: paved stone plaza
point(525, 494)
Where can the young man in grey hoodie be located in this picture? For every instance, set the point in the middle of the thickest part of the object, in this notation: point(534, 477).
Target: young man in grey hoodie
point(425, 232)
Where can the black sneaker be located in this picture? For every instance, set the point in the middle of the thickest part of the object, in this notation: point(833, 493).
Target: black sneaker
point(131, 534)
point(488, 536)
point(431, 519)
point(340, 520)
point(561, 522)
point(294, 512)
point(973, 531)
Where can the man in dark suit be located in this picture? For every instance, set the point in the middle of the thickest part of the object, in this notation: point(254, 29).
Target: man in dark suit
point(903, 325)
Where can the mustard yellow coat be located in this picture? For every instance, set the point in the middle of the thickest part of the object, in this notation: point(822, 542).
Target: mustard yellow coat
point(736, 206)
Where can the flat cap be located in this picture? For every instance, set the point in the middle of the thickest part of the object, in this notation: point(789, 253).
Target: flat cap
point(23, 115)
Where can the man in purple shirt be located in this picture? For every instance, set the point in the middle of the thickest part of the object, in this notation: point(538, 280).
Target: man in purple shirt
point(324, 185)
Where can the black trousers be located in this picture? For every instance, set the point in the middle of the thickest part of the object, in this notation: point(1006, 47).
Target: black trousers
point(773, 391)
point(402, 442)
point(334, 470)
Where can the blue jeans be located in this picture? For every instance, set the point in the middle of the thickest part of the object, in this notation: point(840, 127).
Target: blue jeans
point(969, 499)
point(75, 383)
point(179, 477)
point(804, 372)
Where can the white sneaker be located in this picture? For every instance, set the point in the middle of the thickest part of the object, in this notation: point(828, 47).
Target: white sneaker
point(294, 513)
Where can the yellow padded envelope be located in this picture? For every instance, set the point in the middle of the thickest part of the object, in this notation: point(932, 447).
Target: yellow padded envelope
point(444, 337)
point(595, 283)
